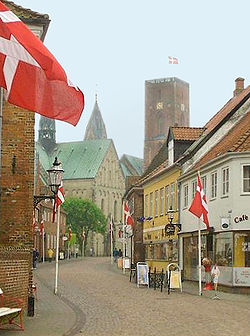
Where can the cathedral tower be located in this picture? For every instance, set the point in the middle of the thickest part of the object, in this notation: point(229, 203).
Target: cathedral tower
point(47, 133)
point(96, 128)
point(166, 104)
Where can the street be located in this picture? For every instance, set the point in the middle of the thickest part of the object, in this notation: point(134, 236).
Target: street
point(106, 303)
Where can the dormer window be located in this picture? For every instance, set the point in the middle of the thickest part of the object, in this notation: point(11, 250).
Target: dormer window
point(171, 152)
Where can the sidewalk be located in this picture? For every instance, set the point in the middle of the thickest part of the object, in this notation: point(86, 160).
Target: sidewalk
point(192, 288)
point(52, 316)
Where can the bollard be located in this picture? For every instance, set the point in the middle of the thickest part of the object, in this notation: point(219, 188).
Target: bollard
point(31, 305)
point(155, 278)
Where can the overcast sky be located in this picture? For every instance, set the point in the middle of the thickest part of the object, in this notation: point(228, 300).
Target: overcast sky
point(111, 47)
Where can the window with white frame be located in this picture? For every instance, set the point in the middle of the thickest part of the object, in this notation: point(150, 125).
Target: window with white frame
point(185, 195)
point(204, 184)
point(52, 241)
point(161, 201)
point(156, 203)
point(48, 240)
point(151, 204)
point(146, 206)
point(167, 198)
point(172, 195)
point(225, 181)
point(214, 185)
point(194, 188)
point(246, 178)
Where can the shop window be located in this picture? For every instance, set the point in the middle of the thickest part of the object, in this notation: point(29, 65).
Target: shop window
point(171, 250)
point(246, 179)
point(242, 249)
point(224, 248)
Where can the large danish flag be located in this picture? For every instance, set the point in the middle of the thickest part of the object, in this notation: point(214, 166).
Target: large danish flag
point(199, 206)
point(31, 75)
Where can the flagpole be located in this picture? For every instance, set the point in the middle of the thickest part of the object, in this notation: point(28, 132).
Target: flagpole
point(57, 248)
point(199, 254)
point(111, 242)
point(123, 240)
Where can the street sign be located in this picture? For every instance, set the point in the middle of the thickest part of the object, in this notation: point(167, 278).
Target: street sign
point(64, 238)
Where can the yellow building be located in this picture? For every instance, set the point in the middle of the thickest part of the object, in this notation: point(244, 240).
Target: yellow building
point(160, 203)
point(161, 199)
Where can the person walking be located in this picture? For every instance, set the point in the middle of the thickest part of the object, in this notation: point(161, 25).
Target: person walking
point(50, 254)
point(120, 253)
point(35, 256)
point(115, 254)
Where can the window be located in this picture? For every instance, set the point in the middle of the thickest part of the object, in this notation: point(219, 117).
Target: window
point(146, 206)
point(214, 185)
point(172, 195)
point(115, 210)
point(225, 181)
point(204, 184)
point(242, 249)
point(185, 196)
point(224, 248)
point(171, 152)
point(194, 188)
point(151, 204)
point(161, 201)
point(246, 179)
point(167, 198)
point(156, 203)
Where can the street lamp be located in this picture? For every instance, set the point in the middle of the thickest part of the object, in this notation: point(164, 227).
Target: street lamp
point(55, 179)
point(170, 228)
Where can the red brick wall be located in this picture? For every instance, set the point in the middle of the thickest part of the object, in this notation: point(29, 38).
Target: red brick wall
point(15, 273)
point(16, 200)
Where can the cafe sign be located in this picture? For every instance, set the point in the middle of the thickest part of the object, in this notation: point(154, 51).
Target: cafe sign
point(242, 218)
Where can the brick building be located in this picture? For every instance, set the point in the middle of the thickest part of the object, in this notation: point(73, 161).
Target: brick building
point(166, 104)
point(17, 182)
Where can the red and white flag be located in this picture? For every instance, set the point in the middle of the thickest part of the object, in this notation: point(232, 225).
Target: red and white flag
point(172, 60)
point(42, 228)
point(127, 215)
point(59, 199)
point(199, 206)
point(31, 75)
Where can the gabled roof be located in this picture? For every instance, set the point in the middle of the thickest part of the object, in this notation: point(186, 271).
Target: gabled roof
point(236, 140)
point(80, 160)
point(233, 105)
point(131, 165)
point(186, 133)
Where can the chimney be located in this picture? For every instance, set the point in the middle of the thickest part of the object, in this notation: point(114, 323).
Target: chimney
point(239, 85)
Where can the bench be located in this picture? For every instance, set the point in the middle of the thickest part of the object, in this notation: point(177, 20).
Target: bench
point(9, 314)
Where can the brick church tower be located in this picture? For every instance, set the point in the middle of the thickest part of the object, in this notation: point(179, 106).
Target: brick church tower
point(166, 104)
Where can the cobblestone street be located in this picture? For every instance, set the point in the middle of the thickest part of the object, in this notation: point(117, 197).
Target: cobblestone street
point(106, 303)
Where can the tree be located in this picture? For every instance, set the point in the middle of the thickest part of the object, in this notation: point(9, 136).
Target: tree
point(83, 214)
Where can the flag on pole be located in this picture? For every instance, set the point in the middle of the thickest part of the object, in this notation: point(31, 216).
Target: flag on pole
point(173, 60)
point(199, 206)
point(31, 76)
point(59, 199)
point(42, 228)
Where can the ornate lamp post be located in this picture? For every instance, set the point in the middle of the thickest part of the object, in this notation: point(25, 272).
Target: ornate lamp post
point(170, 228)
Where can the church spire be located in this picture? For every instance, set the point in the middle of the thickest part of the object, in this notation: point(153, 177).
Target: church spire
point(47, 133)
point(96, 128)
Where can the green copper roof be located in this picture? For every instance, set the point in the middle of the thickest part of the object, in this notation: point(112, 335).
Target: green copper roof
point(131, 165)
point(80, 159)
